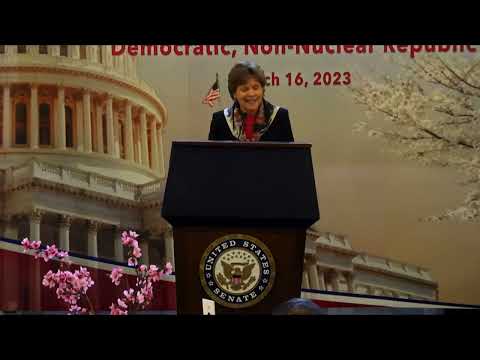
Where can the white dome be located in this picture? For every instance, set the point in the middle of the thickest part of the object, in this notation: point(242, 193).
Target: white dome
point(51, 90)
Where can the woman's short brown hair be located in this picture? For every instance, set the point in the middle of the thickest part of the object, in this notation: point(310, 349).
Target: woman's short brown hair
point(241, 72)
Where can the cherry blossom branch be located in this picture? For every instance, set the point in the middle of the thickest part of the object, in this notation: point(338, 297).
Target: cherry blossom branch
point(460, 78)
point(141, 296)
point(71, 287)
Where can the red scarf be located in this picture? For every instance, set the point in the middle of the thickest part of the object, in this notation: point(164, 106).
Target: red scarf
point(249, 129)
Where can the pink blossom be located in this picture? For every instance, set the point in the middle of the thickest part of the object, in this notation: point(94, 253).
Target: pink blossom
point(129, 239)
point(84, 271)
point(115, 310)
point(44, 255)
point(122, 304)
point(62, 254)
point(77, 309)
point(51, 251)
point(168, 268)
point(26, 244)
point(116, 275)
point(80, 281)
point(126, 240)
point(147, 291)
point(132, 261)
point(62, 276)
point(129, 295)
point(153, 273)
point(74, 308)
point(140, 297)
point(83, 279)
point(72, 299)
point(137, 252)
point(49, 279)
point(71, 287)
point(153, 268)
point(78, 284)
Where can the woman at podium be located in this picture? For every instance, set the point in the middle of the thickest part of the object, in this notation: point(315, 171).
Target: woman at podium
point(250, 117)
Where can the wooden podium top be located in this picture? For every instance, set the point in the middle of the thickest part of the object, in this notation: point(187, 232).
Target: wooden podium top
point(241, 144)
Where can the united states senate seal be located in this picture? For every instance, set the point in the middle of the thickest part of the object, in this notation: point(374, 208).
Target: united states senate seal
point(237, 271)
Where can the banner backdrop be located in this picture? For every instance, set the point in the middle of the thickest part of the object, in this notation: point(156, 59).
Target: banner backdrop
point(395, 134)
point(377, 198)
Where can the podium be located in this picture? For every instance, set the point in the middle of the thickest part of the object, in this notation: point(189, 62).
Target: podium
point(239, 213)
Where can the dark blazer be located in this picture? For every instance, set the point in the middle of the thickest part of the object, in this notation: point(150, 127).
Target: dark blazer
point(280, 129)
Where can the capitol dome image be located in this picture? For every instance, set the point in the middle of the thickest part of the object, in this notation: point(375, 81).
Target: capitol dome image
point(81, 150)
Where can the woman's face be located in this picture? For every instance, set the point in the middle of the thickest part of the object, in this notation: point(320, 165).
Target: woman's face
point(249, 95)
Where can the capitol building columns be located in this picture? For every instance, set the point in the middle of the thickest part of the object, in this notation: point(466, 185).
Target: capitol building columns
point(350, 278)
point(145, 252)
point(64, 232)
point(161, 160)
point(154, 142)
point(33, 116)
point(34, 219)
point(117, 135)
point(80, 140)
point(129, 152)
point(110, 126)
point(75, 51)
point(88, 237)
point(332, 265)
point(60, 128)
point(92, 238)
point(87, 121)
point(7, 117)
point(91, 53)
point(313, 276)
point(322, 285)
point(143, 137)
point(117, 245)
point(99, 145)
point(56, 117)
point(305, 280)
point(169, 245)
point(9, 227)
point(333, 277)
point(54, 50)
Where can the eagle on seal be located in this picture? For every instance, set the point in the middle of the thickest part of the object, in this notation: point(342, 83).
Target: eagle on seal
point(237, 276)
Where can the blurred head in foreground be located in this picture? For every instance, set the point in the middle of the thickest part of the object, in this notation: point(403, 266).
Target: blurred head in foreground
point(297, 306)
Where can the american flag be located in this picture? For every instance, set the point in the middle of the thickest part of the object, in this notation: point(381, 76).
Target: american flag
point(213, 94)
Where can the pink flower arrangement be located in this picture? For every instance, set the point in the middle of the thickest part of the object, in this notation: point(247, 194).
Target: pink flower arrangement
point(138, 298)
point(72, 287)
point(116, 275)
